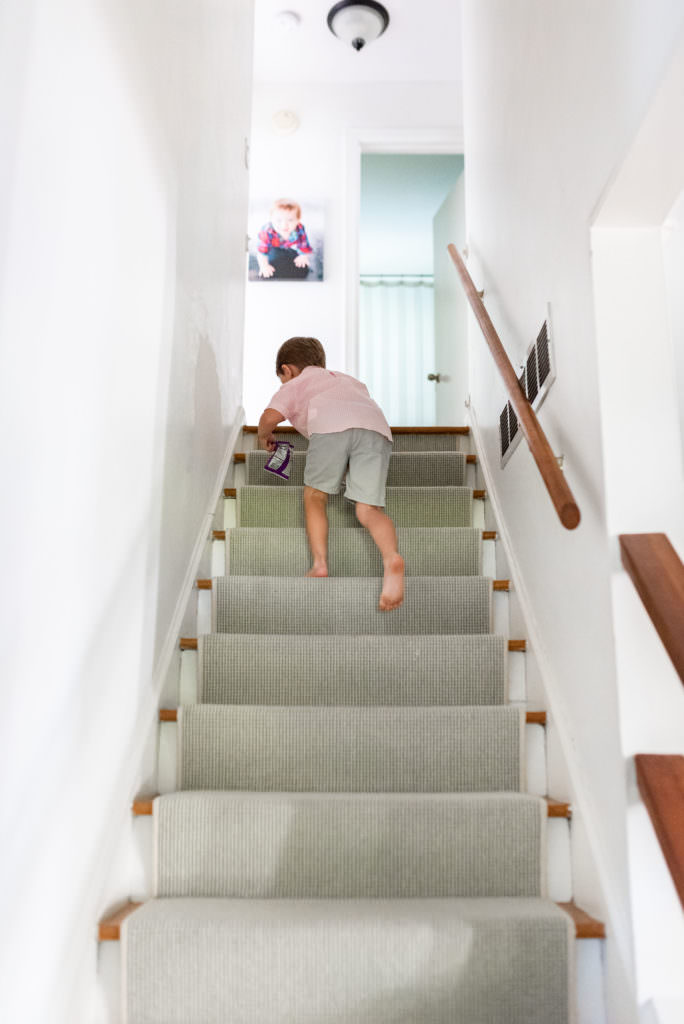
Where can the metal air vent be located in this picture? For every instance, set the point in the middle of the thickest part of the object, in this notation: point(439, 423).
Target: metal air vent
point(538, 374)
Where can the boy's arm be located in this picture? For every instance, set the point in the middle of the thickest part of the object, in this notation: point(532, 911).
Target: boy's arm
point(270, 418)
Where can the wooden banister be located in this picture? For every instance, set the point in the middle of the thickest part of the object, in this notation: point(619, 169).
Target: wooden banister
point(556, 484)
point(661, 784)
point(657, 572)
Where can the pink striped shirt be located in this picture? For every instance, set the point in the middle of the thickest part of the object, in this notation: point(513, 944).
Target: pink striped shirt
point(318, 401)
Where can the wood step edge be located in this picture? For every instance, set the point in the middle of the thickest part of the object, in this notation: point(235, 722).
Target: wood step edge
point(240, 457)
point(395, 430)
point(221, 534)
point(586, 926)
point(144, 807)
point(109, 928)
point(531, 717)
point(498, 585)
point(189, 643)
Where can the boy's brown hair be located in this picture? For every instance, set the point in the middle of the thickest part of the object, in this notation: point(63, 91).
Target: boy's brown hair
point(300, 352)
point(287, 204)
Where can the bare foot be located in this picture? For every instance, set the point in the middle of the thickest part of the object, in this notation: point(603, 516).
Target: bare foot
point(318, 570)
point(392, 584)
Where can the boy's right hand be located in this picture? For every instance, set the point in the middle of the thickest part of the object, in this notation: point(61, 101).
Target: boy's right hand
point(268, 442)
point(267, 271)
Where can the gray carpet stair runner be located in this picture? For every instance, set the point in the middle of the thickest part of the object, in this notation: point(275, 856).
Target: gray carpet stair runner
point(278, 507)
point(433, 604)
point(368, 749)
point(406, 469)
point(348, 845)
point(435, 551)
point(350, 841)
point(239, 668)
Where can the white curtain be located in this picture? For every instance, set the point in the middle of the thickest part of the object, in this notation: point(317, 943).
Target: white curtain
point(396, 346)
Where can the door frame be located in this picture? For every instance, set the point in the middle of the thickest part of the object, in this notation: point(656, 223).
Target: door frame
point(378, 140)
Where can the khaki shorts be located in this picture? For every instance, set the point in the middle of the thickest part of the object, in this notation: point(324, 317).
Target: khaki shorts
point(362, 454)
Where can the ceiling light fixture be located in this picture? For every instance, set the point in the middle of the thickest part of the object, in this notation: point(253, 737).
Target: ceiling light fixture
point(357, 21)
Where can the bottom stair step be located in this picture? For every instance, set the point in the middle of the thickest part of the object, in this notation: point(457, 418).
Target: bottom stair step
point(446, 961)
point(350, 845)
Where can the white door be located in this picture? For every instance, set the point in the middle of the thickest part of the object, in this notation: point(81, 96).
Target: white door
point(451, 321)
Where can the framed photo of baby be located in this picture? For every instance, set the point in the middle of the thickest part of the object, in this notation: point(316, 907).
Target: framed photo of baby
point(285, 240)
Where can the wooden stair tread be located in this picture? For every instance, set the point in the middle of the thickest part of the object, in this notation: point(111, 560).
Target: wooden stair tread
point(239, 457)
point(498, 585)
point(189, 643)
point(395, 430)
point(531, 717)
point(144, 807)
point(586, 926)
point(221, 534)
point(231, 492)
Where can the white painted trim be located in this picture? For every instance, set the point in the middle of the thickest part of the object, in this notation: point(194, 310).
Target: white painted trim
point(581, 795)
point(148, 712)
point(377, 140)
point(170, 644)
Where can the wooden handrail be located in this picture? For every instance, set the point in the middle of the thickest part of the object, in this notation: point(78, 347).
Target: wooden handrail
point(556, 484)
point(661, 784)
point(657, 572)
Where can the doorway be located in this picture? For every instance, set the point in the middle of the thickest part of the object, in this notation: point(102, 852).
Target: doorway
point(399, 196)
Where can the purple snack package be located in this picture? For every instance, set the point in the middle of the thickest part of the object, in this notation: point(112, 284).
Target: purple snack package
point(279, 462)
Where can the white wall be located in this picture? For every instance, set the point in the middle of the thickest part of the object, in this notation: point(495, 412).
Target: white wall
point(400, 194)
point(638, 264)
point(673, 251)
point(122, 213)
point(553, 95)
point(312, 164)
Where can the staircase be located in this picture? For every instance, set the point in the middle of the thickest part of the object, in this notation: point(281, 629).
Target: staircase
point(347, 834)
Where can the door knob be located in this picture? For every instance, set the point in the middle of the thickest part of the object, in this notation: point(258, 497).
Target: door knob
point(434, 376)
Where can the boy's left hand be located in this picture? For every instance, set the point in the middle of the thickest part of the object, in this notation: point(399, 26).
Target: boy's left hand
point(302, 260)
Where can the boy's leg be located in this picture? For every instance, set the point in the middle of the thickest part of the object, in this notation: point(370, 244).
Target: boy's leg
point(381, 529)
point(326, 462)
point(368, 465)
point(316, 517)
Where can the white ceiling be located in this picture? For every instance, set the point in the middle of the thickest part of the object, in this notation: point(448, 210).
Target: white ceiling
point(421, 44)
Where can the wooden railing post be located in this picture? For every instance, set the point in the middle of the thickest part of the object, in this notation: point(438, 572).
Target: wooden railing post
point(556, 484)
